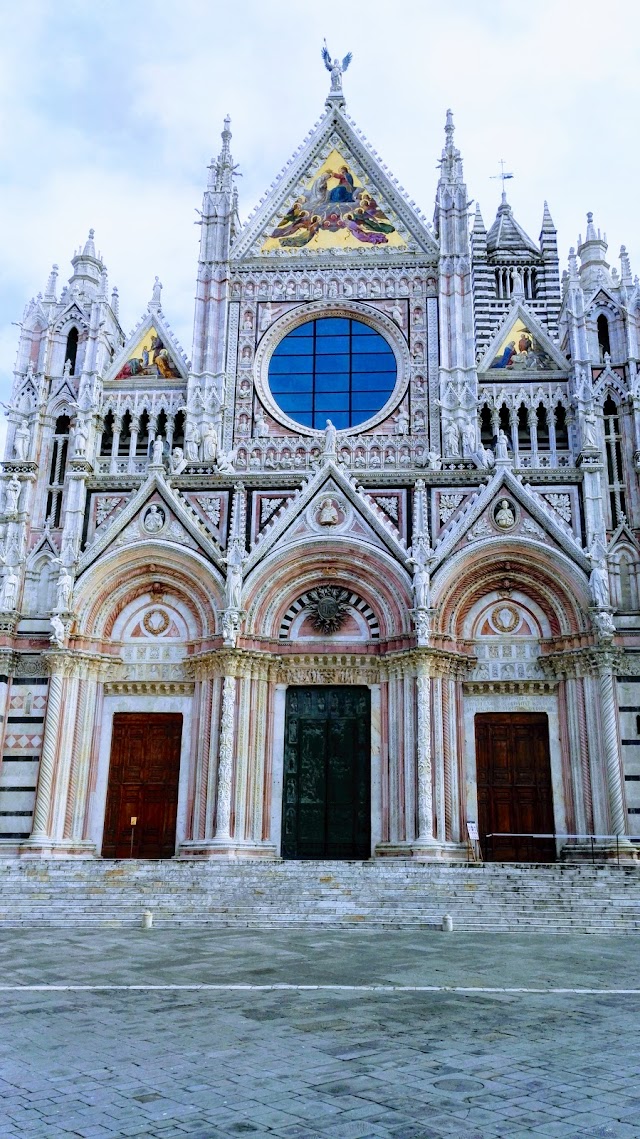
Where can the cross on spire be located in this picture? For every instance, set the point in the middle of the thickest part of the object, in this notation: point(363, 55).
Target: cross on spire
point(503, 176)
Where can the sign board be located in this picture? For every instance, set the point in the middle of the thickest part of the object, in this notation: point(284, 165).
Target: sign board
point(472, 831)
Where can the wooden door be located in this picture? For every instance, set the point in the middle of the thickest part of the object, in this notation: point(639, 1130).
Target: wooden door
point(143, 784)
point(327, 760)
point(514, 786)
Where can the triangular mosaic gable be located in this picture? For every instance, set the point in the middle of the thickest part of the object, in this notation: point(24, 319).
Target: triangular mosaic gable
point(521, 346)
point(334, 207)
point(149, 357)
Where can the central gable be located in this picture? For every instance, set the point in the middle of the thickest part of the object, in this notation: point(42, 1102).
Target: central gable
point(334, 196)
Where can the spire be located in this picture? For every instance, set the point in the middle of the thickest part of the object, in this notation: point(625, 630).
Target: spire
point(507, 235)
point(450, 163)
point(594, 268)
point(222, 170)
point(479, 236)
point(87, 268)
point(478, 223)
point(547, 221)
point(625, 266)
point(115, 302)
point(50, 291)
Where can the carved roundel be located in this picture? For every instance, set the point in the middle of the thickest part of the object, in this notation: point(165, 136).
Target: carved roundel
point(329, 513)
point(153, 519)
point(156, 622)
point(504, 514)
point(505, 618)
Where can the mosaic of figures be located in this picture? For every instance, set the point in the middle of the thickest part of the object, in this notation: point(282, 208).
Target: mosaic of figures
point(334, 210)
point(150, 357)
point(520, 351)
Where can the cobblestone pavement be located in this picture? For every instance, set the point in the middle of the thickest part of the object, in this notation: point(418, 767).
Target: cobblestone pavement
point(317, 1063)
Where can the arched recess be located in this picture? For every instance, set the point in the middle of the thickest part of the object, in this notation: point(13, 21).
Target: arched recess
point(624, 577)
point(283, 576)
point(153, 568)
point(547, 577)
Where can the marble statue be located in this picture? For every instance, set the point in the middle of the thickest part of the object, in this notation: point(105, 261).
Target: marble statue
point(12, 494)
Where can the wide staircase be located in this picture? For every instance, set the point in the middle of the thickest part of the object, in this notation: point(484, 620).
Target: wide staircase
point(556, 898)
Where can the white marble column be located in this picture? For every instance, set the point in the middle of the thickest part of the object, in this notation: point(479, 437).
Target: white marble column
point(613, 764)
point(40, 831)
point(225, 759)
point(424, 758)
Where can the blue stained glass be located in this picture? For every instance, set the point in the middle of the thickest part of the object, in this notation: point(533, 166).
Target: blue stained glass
point(332, 326)
point(332, 368)
point(333, 363)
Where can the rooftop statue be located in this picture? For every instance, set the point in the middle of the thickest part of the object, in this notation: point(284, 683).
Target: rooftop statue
point(335, 68)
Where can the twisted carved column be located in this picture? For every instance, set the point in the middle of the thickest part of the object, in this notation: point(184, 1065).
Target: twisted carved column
point(612, 752)
point(425, 787)
point(225, 758)
point(40, 828)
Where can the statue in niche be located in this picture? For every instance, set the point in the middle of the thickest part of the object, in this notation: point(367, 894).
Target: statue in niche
point(64, 590)
point(233, 587)
point(191, 442)
point(12, 494)
point(402, 422)
point(502, 446)
point(589, 430)
point(328, 515)
point(468, 439)
point(504, 516)
point(9, 595)
point(260, 423)
point(452, 440)
point(21, 440)
point(598, 578)
point(209, 444)
point(434, 460)
point(157, 449)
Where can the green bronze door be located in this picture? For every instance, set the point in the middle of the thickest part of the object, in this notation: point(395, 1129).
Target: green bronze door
point(327, 757)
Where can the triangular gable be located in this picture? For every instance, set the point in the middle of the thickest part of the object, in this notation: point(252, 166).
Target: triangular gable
point(43, 545)
point(358, 208)
point(74, 313)
point(521, 346)
point(151, 351)
point(538, 521)
point(156, 489)
point(331, 485)
point(622, 534)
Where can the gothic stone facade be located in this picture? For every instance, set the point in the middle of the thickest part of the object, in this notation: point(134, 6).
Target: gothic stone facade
point(176, 538)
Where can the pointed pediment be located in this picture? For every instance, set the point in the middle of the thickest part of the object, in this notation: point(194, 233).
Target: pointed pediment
point(623, 535)
point(332, 507)
point(151, 352)
point(520, 347)
point(72, 312)
point(334, 196)
point(504, 508)
point(156, 512)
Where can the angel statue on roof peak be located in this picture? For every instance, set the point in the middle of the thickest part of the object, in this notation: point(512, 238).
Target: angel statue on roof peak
point(335, 68)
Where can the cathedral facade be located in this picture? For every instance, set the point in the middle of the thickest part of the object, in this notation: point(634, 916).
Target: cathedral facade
point(361, 578)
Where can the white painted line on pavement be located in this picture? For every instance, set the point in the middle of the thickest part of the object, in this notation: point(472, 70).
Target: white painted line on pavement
point(240, 987)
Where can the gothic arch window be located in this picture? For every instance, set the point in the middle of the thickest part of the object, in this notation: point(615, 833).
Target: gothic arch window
point(615, 469)
point(59, 454)
point(332, 367)
point(604, 342)
point(107, 434)
point(562, 433)
point(71, 350)
point(624, 579)
point(486, 427)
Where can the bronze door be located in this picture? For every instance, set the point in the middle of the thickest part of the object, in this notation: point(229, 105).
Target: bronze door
point(143, 785)
point(515, 796)
point(327, 760)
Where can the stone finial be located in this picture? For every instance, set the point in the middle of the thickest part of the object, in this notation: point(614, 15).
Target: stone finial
point(115, 302)
point(50, 291)
point(89, 246)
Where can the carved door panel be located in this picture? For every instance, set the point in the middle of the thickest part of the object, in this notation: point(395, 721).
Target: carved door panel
point(326, 792)
point(515, 796)
point(143, 784)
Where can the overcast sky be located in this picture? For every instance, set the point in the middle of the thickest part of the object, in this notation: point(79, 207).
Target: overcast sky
point(110, 112)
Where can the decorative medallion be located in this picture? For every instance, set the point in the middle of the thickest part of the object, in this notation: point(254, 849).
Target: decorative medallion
point(505, 618)
point(329, 512)
point(504, 514)
point(156, 622)
point(328, 608)
point(154, 519)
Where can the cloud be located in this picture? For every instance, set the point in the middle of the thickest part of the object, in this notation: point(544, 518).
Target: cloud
point(109, 115)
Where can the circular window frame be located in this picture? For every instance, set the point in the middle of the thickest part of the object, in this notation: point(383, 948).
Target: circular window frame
point(376, 320)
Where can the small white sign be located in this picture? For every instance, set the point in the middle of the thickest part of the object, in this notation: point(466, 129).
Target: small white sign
point(472, 831)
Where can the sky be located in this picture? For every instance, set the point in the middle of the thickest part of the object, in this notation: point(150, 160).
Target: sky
point(111, 111)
